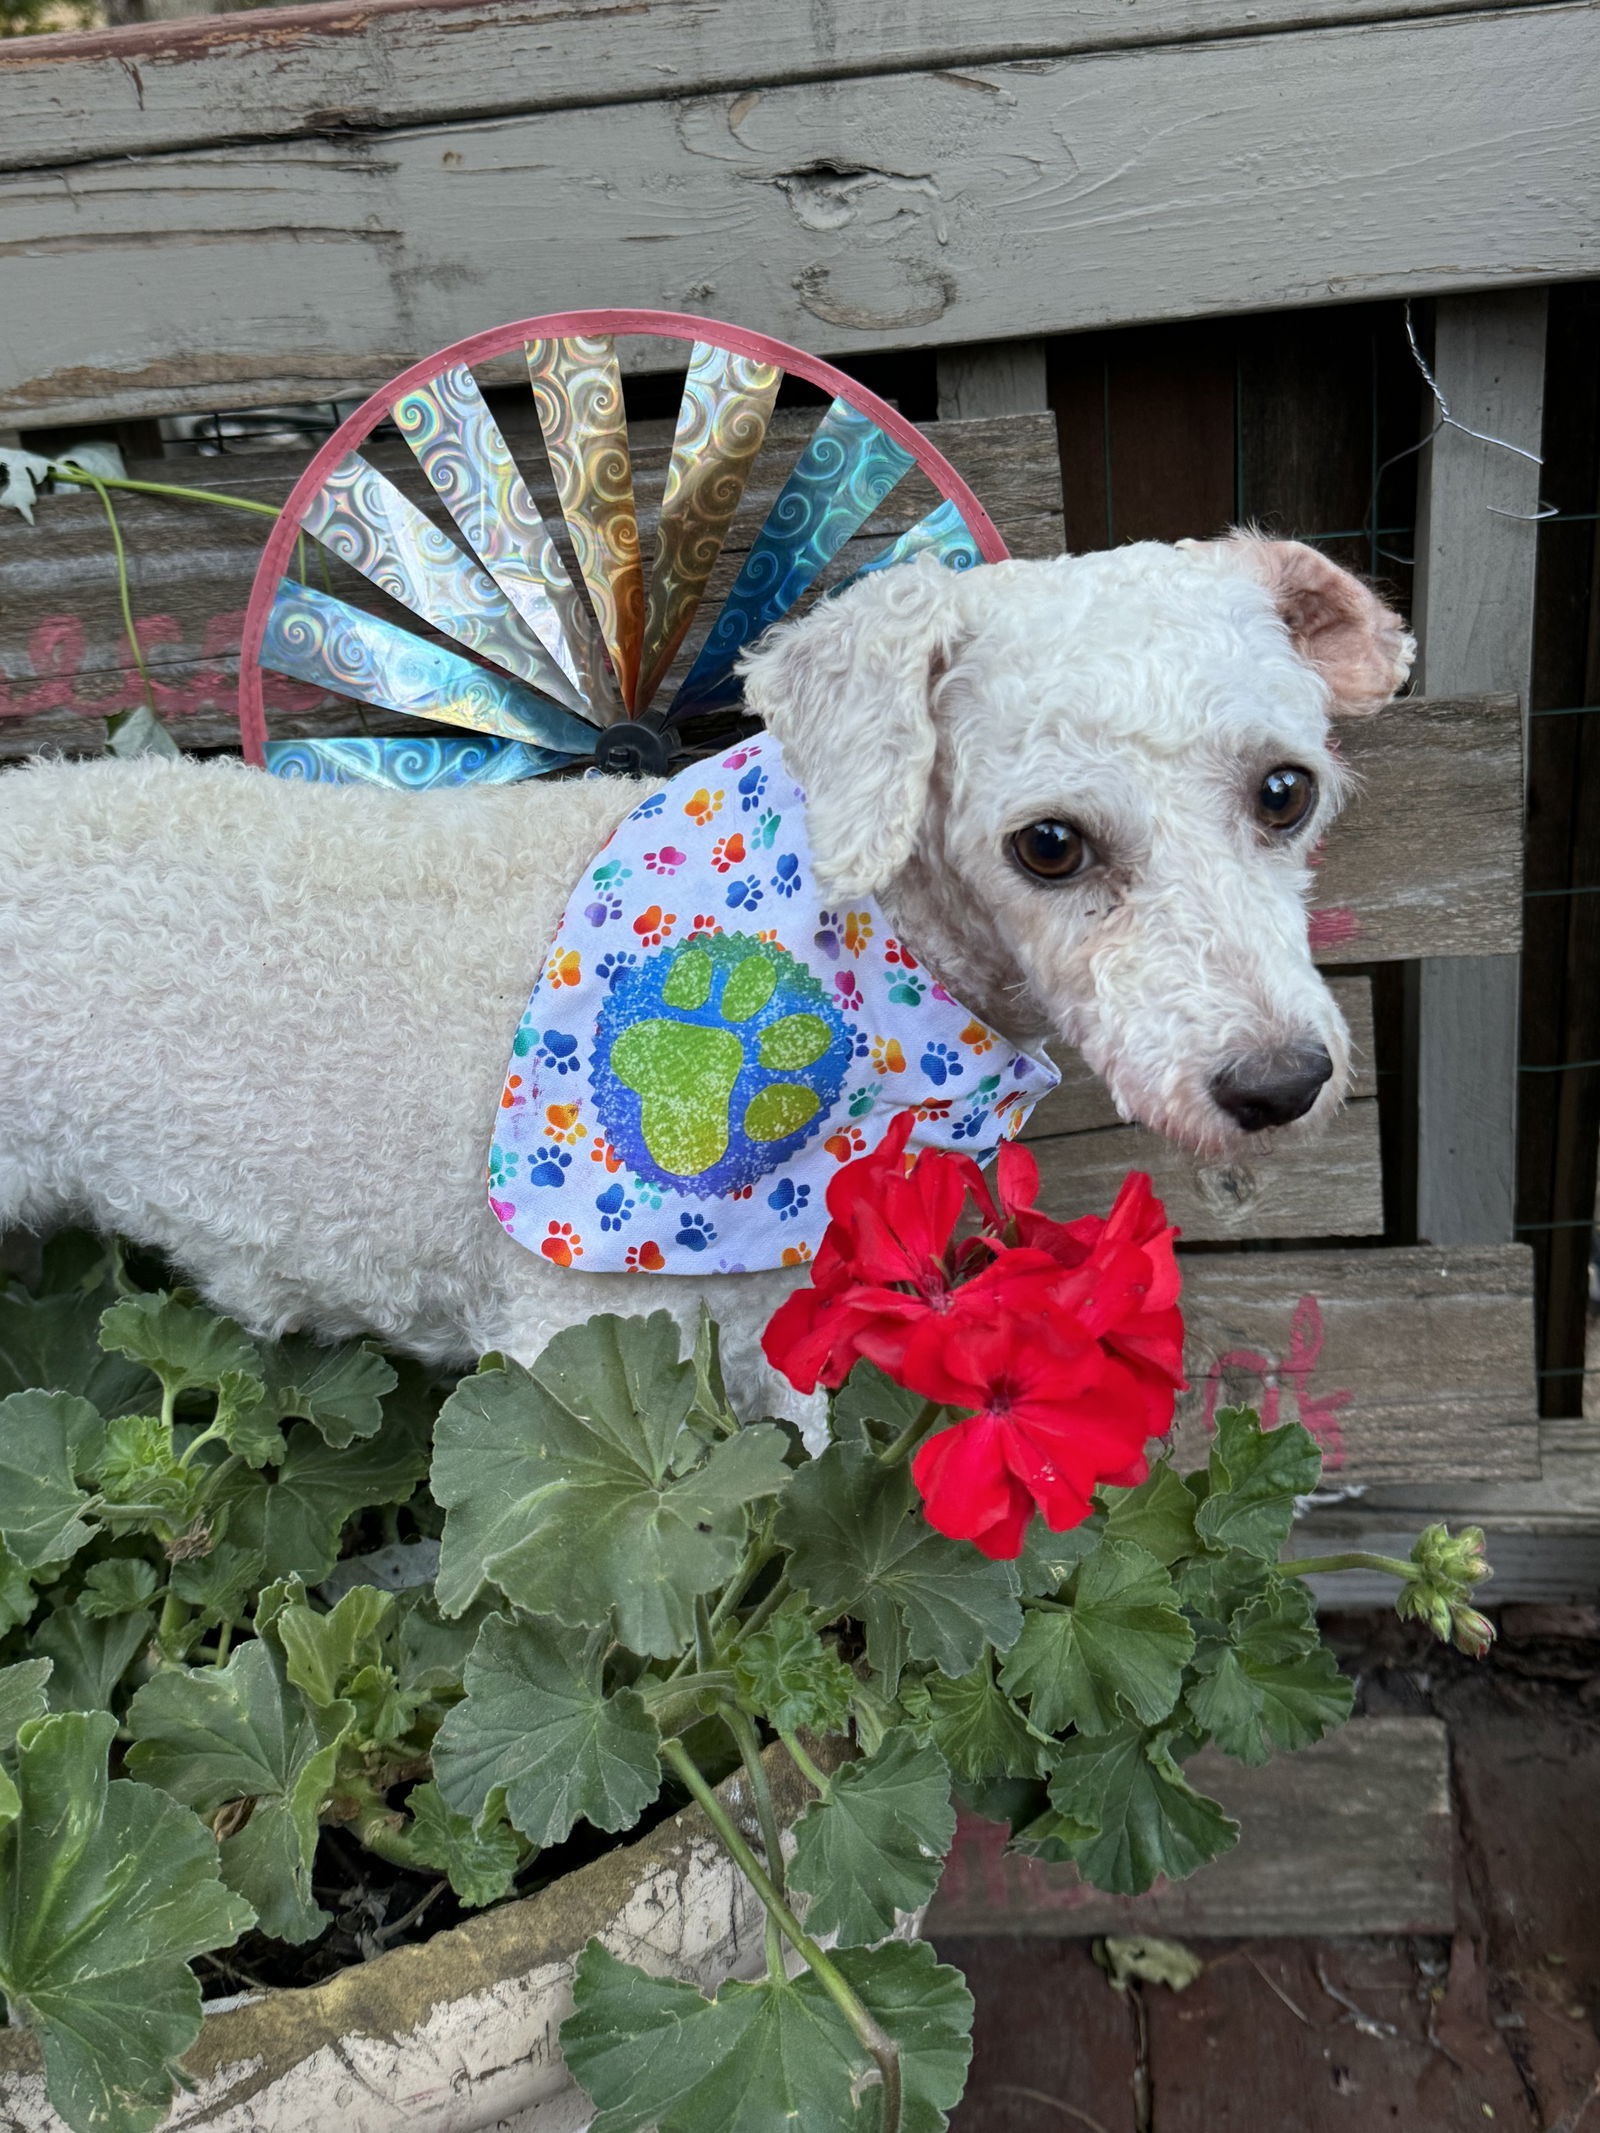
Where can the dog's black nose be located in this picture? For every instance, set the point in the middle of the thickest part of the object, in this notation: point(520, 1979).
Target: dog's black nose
point(1272, 1088)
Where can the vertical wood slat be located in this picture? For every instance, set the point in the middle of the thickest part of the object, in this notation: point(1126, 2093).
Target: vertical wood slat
point(1475, 573)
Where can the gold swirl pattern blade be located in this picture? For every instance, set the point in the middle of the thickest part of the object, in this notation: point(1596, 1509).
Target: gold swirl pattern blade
point(364, 519)
point(577, 390)
point(315, 638)
point(722, 422)
point(459, 446)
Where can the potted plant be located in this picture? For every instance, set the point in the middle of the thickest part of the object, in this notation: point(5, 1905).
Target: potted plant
point(267, 1651)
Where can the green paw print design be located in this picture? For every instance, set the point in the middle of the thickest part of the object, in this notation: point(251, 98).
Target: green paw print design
point(714, 1061)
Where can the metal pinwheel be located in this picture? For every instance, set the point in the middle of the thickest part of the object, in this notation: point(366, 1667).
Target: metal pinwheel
point(513, 663)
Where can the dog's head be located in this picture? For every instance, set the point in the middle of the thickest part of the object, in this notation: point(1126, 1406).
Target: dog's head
point(1092, 788)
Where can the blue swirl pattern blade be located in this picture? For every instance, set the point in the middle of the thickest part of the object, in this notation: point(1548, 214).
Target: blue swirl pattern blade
point(318, 639)
point(840, 479)
point(406, 765)
point(364, 519)
point(942, 533)
point(459, 446)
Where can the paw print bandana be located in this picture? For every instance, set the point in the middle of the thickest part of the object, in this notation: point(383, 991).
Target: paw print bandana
point(707, 1044)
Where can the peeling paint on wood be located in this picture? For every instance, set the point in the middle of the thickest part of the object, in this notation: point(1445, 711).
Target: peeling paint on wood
point(1432, 154)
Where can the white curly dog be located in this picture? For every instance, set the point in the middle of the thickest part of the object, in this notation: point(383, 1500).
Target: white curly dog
point(262, 1025)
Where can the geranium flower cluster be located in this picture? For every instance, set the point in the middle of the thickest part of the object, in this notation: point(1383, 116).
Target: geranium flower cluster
point(1060, 1344)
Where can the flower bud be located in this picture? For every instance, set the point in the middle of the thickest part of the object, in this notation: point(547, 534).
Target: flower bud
point(1445, 1566)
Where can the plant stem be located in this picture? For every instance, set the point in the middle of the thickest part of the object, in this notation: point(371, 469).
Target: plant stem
point(1392, 1566)
point(769, 1606)
point(869, 2033)
point(64, 470)
point(908, 1440)
point(659, 1693)
point(124, 593)
point(705, 1644)
point(387, 1835)
point(174, 1615)
point(756, 1557)
point(803, 1763)
point(748, 1743)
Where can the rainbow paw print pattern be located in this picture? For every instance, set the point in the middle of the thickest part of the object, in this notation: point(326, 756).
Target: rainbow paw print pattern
point(690, 1072)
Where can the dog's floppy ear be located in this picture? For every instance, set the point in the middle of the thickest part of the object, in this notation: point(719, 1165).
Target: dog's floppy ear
point(846, 692)
point(1361, 648)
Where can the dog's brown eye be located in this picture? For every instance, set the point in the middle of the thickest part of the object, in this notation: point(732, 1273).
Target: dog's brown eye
point(1286, 797)
point(1053, 851)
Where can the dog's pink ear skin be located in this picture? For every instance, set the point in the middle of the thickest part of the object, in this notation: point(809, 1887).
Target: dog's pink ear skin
point(1361, 648)
point(846, 691)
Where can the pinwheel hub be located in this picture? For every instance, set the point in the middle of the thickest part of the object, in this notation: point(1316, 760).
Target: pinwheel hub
point(634, 748)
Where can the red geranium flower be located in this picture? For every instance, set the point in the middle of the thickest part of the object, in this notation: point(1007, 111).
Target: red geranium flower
point(1060, 1343)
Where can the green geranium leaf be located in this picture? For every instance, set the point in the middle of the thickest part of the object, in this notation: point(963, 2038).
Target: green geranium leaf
point(1117, 1652)
point(1157, 1516)
point(1214, 1588)
point(90, 1656)
point(1274, 1684)
point(538, 1730)
point(323, 1653)
point(53, 1341)
point(214, 1737)
point(976, 1727)
point(21, 1697)
point(1048, 1560)
point(1148, 1821)
point(1255, 1476)
point(140, 1467)
point(430, 1653)
point(870, 1408)
point(189, 1348)
point(120, 1586)
point(17, 1596)
point(245, 1421)
point(481, 1864)
point(787, 1674)
point(775, 2057)
point(292, 1520)
point(220, 1582)
point(577, 1488)
point(44, 1438)
point(340, 1390)
point(709, 1411)
point(111, 1889)
point(859, 1546)
point(877, 1844)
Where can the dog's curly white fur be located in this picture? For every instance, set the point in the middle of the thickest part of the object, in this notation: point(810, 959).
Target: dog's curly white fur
point(262, 1025)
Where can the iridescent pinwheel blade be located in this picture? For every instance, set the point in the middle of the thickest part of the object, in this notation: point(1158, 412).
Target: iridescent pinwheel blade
point(722, 420)
point(577, 390)
point(364, 519)
point(407, 765)
point(318, 639)
point(841, 478)
point(459, 446)
point(943, 533)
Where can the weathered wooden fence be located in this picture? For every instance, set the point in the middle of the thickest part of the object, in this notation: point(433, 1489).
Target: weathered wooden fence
point(1057, 231)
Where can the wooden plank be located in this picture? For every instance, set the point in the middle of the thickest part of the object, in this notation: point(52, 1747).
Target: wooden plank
point(1328, 1187)
point(995, 378)
point(64, 653)
point(1353, 1835)
point(170, 85)
point(905, 209)
point(1427, 857)
point(1408, 1364)
point(1476, 547)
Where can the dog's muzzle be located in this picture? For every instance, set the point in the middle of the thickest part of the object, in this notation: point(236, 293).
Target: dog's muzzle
point(1272, 1088)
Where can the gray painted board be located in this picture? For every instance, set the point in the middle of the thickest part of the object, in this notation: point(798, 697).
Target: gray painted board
point(1408, 1365)
point(1353, 1835)
point(185, 84)
point(909, 209)
point(1476, 549)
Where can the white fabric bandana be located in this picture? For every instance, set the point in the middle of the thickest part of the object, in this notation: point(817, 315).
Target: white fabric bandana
point(708, 1043)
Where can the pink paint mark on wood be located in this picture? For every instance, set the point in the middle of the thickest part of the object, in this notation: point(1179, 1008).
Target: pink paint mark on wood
point(1319, 1412)
point(1333, 928)
point(55, 680)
